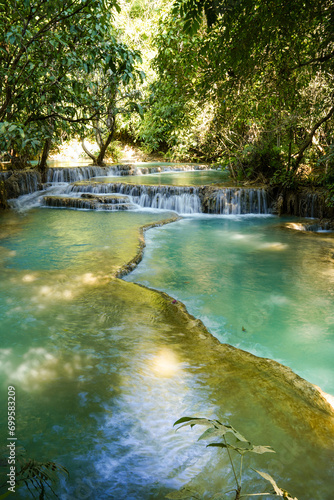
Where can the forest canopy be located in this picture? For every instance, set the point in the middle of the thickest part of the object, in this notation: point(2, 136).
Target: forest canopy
point(240, 83)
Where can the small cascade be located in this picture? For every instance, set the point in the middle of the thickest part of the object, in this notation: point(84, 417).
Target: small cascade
point(310, 205)
point(234, 201)
point(22, 182)
point(183, 200)
point(168, 168)
point(316, 226)
point(75, 174)
point(5, 175)
point(307, 203)
point(29, 182)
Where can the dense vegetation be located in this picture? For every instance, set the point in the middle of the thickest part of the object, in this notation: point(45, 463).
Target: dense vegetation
point(243, 83)
point(62, 72)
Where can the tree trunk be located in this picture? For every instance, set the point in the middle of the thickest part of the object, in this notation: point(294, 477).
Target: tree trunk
point(110, 137)
point(100, 158)
point(42, 166)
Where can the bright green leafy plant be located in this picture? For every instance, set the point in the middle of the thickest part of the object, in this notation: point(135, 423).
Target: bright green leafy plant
point(215, 429)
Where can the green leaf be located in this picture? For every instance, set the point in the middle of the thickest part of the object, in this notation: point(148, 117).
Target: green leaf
point(192, 421)
point(268, 477)
point(262, 449)
point(278, 491)
point(219, 445)
point(241, 451)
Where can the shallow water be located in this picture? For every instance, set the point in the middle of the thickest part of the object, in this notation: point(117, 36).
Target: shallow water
point(255, 284)
point(192, 178)
point(102, 369)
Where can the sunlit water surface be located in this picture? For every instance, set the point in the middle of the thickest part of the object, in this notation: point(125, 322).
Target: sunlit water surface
point(102, 367)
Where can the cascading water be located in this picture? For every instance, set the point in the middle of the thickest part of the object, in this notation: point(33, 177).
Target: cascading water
point(75, 174)
point(238, 201)
point(19, 182)
point(183, 200)
point(65, 187)
point(82, 335)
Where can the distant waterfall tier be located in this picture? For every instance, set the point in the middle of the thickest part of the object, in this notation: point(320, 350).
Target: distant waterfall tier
point(183, 200)
point(74, 174)
point(236, 201)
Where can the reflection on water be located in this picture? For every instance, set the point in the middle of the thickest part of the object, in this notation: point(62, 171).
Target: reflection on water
point(256, 285)
point(102, 369)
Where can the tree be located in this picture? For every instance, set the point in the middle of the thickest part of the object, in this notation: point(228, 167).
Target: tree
point(51, 53)
point(291, 43)
point(113, 85)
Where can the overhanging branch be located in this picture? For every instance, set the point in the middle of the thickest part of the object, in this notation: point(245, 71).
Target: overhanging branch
point(298, 158)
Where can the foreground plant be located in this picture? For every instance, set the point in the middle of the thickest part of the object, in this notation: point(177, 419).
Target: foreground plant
point(40, 478)
point(216, 429)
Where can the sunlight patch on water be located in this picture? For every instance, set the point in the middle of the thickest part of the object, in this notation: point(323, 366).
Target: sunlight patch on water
point(165, 363)
point(276, 247)
point(38, 368)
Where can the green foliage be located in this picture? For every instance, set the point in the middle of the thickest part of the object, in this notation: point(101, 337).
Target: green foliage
point(27, 139)
point(231, 88)
point(242, 446)
point(61, 67)
point(260, 160)
point(285, 179)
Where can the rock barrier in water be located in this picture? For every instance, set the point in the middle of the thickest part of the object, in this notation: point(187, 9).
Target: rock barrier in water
point(19, 182)
point(88, 203)
point(182, 199)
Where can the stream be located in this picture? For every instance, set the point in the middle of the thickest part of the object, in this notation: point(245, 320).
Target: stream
point(103, 366)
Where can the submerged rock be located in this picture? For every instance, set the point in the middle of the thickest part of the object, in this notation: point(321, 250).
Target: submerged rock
point(88, 203)
point(110, 199)
point(314, 226)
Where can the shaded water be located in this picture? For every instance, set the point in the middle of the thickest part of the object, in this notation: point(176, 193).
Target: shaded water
point(255, 284)
point(102, 369)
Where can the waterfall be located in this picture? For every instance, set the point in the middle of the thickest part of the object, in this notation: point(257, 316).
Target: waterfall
point(29, 182)
point(5, 175)
point(70, 187)
point(20, 182)
point(307, 203)
point(74, 174)
point(311, 205)
point(183, 200)
point(237, 201)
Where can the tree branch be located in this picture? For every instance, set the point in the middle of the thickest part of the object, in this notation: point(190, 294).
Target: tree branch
point(325, 58)
point(298, 158)
point(86, 150)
